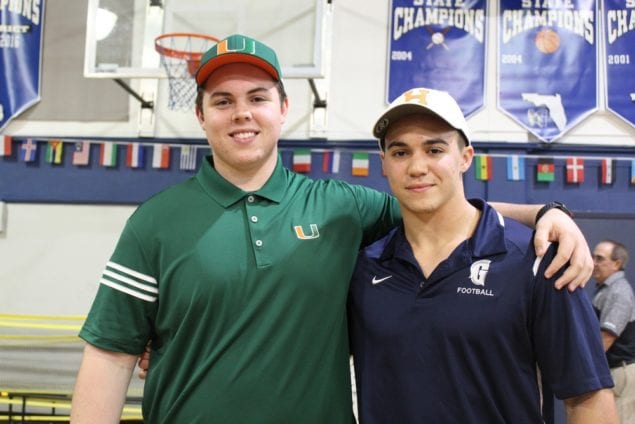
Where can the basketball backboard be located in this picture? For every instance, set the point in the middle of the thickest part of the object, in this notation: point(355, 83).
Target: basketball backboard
point(120, 34)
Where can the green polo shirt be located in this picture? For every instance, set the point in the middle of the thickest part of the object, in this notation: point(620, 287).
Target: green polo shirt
point(243, 295)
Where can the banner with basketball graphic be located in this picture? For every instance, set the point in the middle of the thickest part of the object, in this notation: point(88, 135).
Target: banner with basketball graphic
point(547, 64)
point(619, 25)
point(20, 56)
point(438, 45)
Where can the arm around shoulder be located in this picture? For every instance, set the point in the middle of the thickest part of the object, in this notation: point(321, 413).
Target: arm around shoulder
point(592, 408)
point(101, 386)
point(524, 213)
point(553, 222)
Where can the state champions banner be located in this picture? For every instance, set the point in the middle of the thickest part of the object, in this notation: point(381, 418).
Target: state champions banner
point(440, 45)
point(619, 24)
point(21, 24)
point(547, 63)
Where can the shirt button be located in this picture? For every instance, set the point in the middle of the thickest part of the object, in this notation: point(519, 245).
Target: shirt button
point(259, 243)
point(250, 199)
point(421, 285)
point(254, 219)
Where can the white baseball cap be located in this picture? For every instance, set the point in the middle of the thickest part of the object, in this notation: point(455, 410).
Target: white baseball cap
point(423, 101)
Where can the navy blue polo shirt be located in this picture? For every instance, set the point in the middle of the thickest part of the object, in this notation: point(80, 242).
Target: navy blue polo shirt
point(464, 345)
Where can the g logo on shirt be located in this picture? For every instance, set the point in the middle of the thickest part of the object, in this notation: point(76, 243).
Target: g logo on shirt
point(478, 272)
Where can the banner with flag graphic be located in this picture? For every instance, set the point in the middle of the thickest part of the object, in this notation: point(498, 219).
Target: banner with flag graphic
point(108, 154)
point(575, 170)
point(547, 64)
point(607, 171)
point(619, 49)
point(360, 164)
point(188, 158)
point(54, 151)
point(81, 155)
point(438, 45)
point(21, 36)
point(331, 162)
point(515, 168)
point(135, 155)
point(483, 168)
point(28, 150)
point(6, 145)
point(161, 156)
point(302, 160)
point(545, 170)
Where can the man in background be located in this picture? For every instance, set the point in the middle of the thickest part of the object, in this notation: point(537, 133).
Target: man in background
point(614, 304)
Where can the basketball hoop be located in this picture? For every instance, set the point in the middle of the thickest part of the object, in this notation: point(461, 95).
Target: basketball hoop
point(181, 54)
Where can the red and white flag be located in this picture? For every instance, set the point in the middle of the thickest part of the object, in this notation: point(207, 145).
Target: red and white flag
point(608, 171)
point(161, 156)
point(575, 170)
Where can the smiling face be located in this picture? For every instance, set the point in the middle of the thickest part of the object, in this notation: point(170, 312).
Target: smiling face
point(424, 161)
point(242, 116)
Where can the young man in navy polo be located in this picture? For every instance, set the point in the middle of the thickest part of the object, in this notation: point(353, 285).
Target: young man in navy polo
point(452, 319)
point(239, 276)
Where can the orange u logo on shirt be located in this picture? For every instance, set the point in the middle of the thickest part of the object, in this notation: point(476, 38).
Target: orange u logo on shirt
point(299, 232)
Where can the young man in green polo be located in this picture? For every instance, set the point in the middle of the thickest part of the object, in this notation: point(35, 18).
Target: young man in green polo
point(239, 275)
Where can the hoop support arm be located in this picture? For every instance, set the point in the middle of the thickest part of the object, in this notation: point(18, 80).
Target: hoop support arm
point(318, 102)
point(144, 103)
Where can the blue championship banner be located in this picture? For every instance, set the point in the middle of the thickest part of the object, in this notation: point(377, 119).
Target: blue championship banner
point(619, 23)
point(438, 44)
point(547, 63)
point(21, 25)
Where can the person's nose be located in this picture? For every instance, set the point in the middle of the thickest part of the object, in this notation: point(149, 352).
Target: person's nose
point(418, 165)
point(241, 113)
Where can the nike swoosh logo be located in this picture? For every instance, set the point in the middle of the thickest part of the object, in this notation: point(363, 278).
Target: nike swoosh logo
point(379, 280)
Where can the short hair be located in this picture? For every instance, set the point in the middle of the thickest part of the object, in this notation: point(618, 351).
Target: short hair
point(619, 253)
point(201, 90)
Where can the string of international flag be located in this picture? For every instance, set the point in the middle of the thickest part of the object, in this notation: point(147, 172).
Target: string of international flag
point(302, 159)
point(483, 166)
point(574, 166)
point(331, 159)
point(135, 153)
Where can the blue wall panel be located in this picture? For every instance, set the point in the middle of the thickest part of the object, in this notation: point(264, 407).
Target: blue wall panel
point(40, 181)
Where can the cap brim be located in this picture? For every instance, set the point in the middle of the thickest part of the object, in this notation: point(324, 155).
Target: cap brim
point(399, 111)
point(208, 68)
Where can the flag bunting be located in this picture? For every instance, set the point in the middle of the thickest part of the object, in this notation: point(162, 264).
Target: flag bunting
point(575, 170)
point(302, 160)
point(360, 164)
point(26, 150)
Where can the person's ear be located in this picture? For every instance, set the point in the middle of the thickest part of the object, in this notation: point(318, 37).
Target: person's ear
point(467, 155)
point(285, 110)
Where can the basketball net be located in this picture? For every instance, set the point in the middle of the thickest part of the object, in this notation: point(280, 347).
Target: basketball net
point(180, 56)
